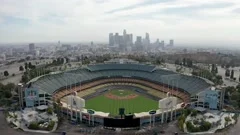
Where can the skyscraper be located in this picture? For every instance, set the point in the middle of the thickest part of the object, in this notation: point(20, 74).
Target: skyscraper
point(124, 32)
point(162, 43)
point(116, 39)
point(147, 38)
point(111, 39)
point(138, 43)
point(171, 42)
point(131, 39)
point(146, 42)
point(31, 47)
point(121, 41)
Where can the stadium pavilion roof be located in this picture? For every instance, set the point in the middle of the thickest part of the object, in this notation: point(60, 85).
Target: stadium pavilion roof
point(53, 82)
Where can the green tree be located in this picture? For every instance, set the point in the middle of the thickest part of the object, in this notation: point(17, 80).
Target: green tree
point(227, 73)
point(7, 94)
point(216, 70)
point(54, 62)
point(26, 65)
point(21, 68)
point(232, 74)
point(50, 110)
point(6, 73)
point(158, 62)
point(50, 125)
point(33, 125)
point(184, 62)
point(194, 113)
point(177, 62)
point(205, 126)
point(67, 59)
point(189, 63)
point(30, 65)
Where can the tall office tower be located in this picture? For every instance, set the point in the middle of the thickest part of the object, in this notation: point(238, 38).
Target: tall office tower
point(131, 39)
point(116, 39)
point(171, 42)
point(138, 43)
point(111, 39)
point(147, 42)
point(162, 43)
point(121, 43)
point(31, 47)
point(125, 40)
point(124, 32)
point(147, 38)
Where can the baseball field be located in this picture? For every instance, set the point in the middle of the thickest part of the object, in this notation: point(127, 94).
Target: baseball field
point(114, 99)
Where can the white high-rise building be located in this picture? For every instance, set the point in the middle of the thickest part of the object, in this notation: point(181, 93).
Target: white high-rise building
point(3, 56)
point(37, 53)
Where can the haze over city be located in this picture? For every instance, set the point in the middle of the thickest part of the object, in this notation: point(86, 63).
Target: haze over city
point(188, 22)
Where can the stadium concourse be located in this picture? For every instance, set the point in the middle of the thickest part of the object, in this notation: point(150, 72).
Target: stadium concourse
point(97, 79)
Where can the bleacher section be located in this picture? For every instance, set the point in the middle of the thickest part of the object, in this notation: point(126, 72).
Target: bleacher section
point(94, 74)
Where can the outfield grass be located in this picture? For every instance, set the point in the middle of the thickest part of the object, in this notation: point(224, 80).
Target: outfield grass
point(136, 105)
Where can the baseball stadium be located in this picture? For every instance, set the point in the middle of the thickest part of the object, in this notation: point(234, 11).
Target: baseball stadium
point(106, 92)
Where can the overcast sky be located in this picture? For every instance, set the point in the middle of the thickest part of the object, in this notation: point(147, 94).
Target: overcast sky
point(186, 21)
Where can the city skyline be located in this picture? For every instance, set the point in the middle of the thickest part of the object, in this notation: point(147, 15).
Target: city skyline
point(189, 22)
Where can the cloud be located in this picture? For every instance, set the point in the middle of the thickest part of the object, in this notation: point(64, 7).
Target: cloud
point(142, 3)
point(92, 20)
point(237, 10)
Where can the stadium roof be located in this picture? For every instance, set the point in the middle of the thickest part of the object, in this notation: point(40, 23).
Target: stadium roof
point(53, 82)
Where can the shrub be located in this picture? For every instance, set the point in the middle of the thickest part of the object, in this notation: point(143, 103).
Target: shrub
point(181, 121)
point(194, 113)
point(227, 119)
point(49, 110)
point(33, 125)
point(50, 125)
point(186, 112)
point(205, 126)
point(195, 122)
point(190, 127)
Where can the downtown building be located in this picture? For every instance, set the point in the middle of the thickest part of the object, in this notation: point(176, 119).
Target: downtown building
point(121, 41)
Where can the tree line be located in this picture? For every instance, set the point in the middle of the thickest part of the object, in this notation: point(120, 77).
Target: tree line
point(184, 62)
